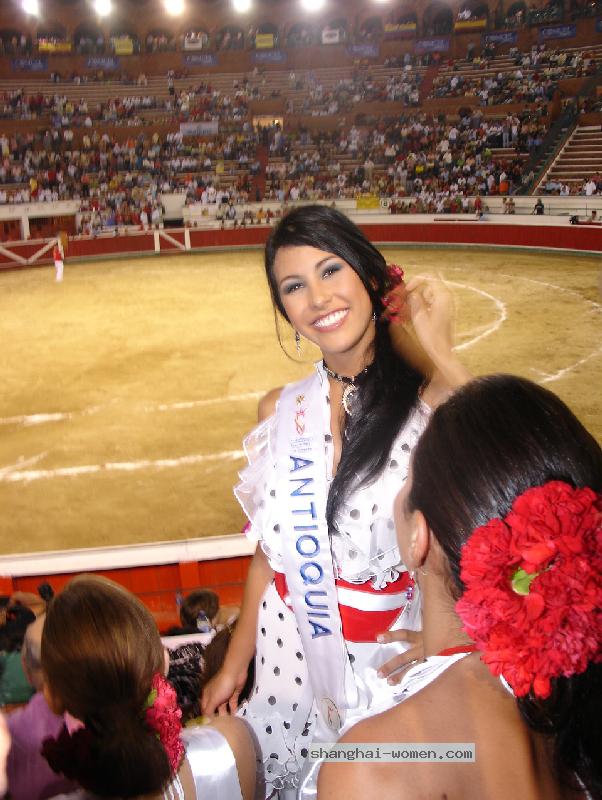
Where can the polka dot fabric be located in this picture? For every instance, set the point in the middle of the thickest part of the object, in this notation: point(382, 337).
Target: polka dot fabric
point(281, 709)
point(364, 545)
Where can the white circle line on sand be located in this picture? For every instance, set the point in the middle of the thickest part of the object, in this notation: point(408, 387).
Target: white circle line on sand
point(597, 306)
point(234, 398)
point(491, 328)
point(15, 475)
point(41, 418)
point(562, 372)
point(549, 378)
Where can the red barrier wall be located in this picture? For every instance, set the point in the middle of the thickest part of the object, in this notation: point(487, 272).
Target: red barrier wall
point(580, 238)
point(573, 237)
point(158, 585)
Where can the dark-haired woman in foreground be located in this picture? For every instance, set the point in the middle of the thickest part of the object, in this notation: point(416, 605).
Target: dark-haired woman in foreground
point(501, 520)
point(328, 578)
point(103, 663)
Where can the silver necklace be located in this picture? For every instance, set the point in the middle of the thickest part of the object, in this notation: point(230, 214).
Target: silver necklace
point(350, 385)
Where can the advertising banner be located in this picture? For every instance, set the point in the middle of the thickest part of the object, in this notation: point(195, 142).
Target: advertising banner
point(269, 57)
point(264, 41)
point(200, 60)
point(196, 41)
point(50, 46)
point(331, 36)
point(363, 50)
point(557, 32)
point(470, 24)
point(107, 63)
point(399, 30)
point(501, 37)
point(367, 201)
point(432, 45)
point(123, 45)
point(29, 64)
point(204, 128)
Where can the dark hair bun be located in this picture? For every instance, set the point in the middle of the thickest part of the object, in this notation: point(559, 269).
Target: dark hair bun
point(111, 760)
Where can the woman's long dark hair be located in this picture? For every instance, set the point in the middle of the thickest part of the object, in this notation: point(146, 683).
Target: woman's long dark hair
point(100, 650)
point(492, 440)
point(390, 389)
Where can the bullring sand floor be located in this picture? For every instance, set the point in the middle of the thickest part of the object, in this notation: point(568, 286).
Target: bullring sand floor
point(127, 389)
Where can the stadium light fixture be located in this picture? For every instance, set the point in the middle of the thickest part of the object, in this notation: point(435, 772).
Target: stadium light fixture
point(31, 7)
point(102, 7)
point(312, 5)
point(242, 6)
point(174, 7)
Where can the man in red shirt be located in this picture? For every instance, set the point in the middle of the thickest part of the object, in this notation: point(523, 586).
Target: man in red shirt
point(58, 255)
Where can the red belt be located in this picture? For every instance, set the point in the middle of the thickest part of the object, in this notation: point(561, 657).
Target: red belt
point(365, 611)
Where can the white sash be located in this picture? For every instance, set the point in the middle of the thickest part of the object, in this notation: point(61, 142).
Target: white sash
point(212, 764)
point(302, 490)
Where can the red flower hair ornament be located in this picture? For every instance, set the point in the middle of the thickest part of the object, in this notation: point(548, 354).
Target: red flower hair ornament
point(533, 598)
point(395, 299)
point(164, 717)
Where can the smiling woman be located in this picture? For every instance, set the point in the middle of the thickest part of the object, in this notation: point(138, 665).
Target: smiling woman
point(318, 493)
point(324, 300)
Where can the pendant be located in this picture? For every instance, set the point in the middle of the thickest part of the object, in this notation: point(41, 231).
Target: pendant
point(347, 399)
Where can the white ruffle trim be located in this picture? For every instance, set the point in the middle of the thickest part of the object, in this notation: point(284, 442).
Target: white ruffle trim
point(365, 545)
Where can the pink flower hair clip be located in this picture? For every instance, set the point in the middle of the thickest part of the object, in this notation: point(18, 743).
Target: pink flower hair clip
point(396, 309)
point(164, 717)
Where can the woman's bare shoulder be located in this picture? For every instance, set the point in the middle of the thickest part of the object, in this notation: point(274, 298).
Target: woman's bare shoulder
point(355, 779)
point(238, 736)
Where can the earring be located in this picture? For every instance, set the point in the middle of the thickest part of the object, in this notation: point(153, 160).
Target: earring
point(374, 317)
point(298, 342)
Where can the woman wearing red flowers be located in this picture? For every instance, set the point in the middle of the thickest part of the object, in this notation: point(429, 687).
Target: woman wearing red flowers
point(103, 665)
point(501, 522)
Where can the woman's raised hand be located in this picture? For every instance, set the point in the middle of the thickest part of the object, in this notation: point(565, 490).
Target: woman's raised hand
point(431, 307)
point(394, 669)
point(221, 693)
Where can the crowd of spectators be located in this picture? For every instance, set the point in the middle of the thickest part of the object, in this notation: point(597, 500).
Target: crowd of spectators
point(120, 184)
point(432, 158)
point(361, 87)
point(413, 155)
point(589, 187)
point(62, 112)
point(534, 78)
point(194, 651)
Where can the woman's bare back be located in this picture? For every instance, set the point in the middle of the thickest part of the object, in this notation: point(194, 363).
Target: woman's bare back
point(465, 705)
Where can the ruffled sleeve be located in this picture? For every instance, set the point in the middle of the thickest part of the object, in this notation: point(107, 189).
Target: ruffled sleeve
point(256, 491)
point(364, 546)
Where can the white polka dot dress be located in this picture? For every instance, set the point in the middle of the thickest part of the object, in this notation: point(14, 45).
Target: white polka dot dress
point(281, 709)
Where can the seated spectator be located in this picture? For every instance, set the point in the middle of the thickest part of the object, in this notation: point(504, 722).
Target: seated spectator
point(199, 612)
point(14, 686)
point(29, 776)
point(103, 663)
point(538, 208)
point(192, 665)
point(500, 520)
point(213, 660)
